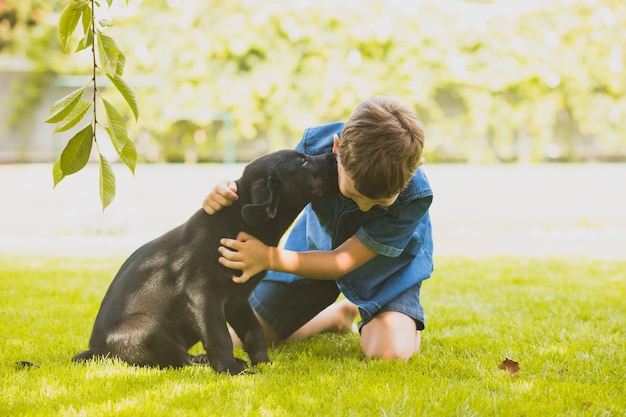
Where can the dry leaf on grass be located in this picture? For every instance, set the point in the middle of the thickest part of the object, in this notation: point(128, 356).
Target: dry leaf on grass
point(510, 365)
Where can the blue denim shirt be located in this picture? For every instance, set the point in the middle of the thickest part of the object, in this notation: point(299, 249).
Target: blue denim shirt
point(400, 233)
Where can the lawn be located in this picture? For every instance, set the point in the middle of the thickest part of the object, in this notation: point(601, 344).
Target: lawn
point(562, 319)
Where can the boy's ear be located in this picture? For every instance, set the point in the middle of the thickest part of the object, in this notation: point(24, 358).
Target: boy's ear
point(335, 143)
point(265, 198)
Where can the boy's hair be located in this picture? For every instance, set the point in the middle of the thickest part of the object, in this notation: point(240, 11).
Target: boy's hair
point(381, 147)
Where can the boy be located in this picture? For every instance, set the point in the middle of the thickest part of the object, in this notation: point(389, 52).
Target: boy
point(371, 240)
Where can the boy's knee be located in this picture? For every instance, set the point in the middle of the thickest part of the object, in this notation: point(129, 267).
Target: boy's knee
point(390, 336)
point(402, 351)
point(389, 353)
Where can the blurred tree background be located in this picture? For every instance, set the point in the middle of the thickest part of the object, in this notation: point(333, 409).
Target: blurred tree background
point(493, 81)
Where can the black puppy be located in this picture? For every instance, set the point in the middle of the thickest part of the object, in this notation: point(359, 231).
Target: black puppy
point(172, 292)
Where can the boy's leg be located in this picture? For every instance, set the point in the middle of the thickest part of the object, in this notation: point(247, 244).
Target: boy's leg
point(337, 318)
point(390, 335)
point(271, 337)
point(285, 308)
point(394, 331)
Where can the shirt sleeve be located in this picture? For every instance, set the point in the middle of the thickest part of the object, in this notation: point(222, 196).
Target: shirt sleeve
point(389, 234)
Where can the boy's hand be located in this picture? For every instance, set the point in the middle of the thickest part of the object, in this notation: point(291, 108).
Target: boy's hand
point(223, 195)
point(247, 254)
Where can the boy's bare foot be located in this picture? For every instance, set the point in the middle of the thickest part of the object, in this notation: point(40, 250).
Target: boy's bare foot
point(347, 313)
point(337, 318)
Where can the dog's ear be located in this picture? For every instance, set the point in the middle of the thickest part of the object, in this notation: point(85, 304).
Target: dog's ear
point(265, 198)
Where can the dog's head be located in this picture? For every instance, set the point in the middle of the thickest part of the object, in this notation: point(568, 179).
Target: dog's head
point(285, 181)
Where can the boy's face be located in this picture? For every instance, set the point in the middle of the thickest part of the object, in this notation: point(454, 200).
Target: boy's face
point(348, 190)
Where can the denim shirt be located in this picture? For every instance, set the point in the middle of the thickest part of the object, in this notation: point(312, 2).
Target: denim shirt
point(400, 233)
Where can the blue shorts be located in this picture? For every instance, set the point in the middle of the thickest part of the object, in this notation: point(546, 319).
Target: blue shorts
point(287, 306)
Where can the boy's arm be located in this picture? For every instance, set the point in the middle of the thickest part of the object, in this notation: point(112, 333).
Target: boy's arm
point(252, 256)
point(221, 196)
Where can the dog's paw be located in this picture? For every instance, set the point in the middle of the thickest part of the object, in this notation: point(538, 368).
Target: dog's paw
point(260, 360)
point(233, 366)
point(201, 359)
point(237, 367)
point(25, 365)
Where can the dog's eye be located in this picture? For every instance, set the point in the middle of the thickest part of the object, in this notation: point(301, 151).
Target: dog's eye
point(304, 161)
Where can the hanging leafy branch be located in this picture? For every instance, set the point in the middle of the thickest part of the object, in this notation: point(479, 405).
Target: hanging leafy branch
point(71, 109)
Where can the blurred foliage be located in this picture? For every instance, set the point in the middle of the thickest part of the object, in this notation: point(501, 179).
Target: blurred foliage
point(23, 31)
point(492, 80)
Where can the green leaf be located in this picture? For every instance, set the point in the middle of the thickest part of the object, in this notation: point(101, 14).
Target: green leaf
point(68, 22)
point(108, 52)
point(85, 42)
point(62, 108)
point(76, 153)
point(121, 63)
point(107, 182)
point(119, 136)
point(87, 21)
point(110, 2)
point(74, 116)
point(116, 123)
point(127, 92)
point(126, 151)
point(57, 172)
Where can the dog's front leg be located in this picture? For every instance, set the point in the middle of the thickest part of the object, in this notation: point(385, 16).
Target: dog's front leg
point(217, 342)
point(243, 320)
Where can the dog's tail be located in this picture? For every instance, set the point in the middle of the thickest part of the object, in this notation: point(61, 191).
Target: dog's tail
point(83, 356)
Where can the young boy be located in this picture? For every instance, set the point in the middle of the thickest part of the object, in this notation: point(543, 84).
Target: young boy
point(371, 240)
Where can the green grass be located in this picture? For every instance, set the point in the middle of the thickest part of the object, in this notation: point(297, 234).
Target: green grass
point(561, 319)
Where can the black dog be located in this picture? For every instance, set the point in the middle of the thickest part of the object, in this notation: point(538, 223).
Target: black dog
point(172, 292)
